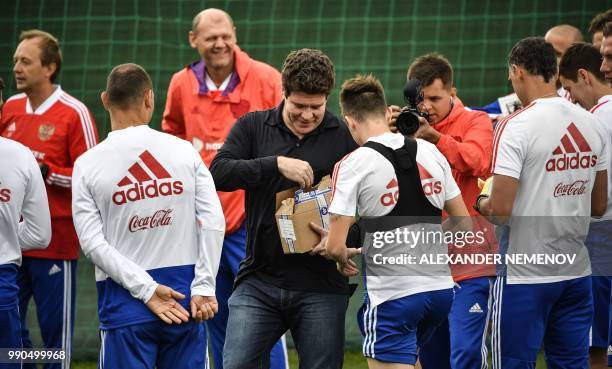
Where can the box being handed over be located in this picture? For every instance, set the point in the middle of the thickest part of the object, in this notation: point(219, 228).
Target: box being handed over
point(295, 208)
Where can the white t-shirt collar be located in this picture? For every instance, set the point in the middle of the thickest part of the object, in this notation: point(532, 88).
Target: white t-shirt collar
point(52, 99)
point(213, 87)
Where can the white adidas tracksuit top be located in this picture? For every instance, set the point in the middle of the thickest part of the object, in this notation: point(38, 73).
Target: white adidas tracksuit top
point(146, 212)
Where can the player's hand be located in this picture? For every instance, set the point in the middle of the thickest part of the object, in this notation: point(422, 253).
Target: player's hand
point(320, 249)
point(203, 307)
point(427, 132)
point(349, 268)
point(393, 113)
point(164, 304)
point(296, 170)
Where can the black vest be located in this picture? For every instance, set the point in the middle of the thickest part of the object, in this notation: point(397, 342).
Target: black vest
point(412, 206)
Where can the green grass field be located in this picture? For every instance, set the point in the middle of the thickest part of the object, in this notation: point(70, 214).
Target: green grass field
point(352, 360)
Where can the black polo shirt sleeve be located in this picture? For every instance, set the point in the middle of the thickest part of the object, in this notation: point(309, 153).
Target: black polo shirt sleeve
point(235, 167)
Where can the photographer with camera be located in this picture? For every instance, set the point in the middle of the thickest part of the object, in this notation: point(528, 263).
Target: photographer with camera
point(465, 138)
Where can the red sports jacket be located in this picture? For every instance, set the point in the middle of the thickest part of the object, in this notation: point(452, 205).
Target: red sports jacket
point(60, 130)
point(467, 144)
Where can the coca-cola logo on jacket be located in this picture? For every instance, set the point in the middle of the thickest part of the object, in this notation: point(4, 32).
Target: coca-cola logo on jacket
point(575, 188)
point(158, 219)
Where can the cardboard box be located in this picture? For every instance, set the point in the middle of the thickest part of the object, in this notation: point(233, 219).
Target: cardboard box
point(295, 209)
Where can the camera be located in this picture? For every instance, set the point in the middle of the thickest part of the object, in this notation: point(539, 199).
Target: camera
point(407, 122)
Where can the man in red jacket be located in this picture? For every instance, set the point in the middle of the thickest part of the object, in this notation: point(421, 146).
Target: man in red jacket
point(58, 129)
point(465, 138)
point(204, 100)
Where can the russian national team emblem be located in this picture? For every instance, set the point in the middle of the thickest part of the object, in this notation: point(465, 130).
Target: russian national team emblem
point(572, 153)
point(146, 179)
point(45, 131)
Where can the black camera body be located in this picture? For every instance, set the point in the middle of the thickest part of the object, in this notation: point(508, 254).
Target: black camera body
point(407, 122)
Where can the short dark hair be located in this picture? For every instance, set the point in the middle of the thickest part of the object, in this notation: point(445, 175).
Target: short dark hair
point(49, 49)
point(308, 71)
point(581, 56)
point(362, 97)
point(537, 56)
point(607, 29)
point(599, 21)
point(126, 85)
point(429, 67)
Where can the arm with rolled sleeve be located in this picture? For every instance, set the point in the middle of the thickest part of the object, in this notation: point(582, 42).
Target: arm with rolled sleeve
point(210, 224)
point(234, 166)
point(35, 229)
point(472, 154)
point(88, 224)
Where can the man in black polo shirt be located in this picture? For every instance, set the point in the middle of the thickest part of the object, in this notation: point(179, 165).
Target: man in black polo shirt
point(267, 152)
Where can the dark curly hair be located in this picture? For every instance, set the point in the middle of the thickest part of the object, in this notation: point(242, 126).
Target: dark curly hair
point(536, 56)
point(308, 71)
